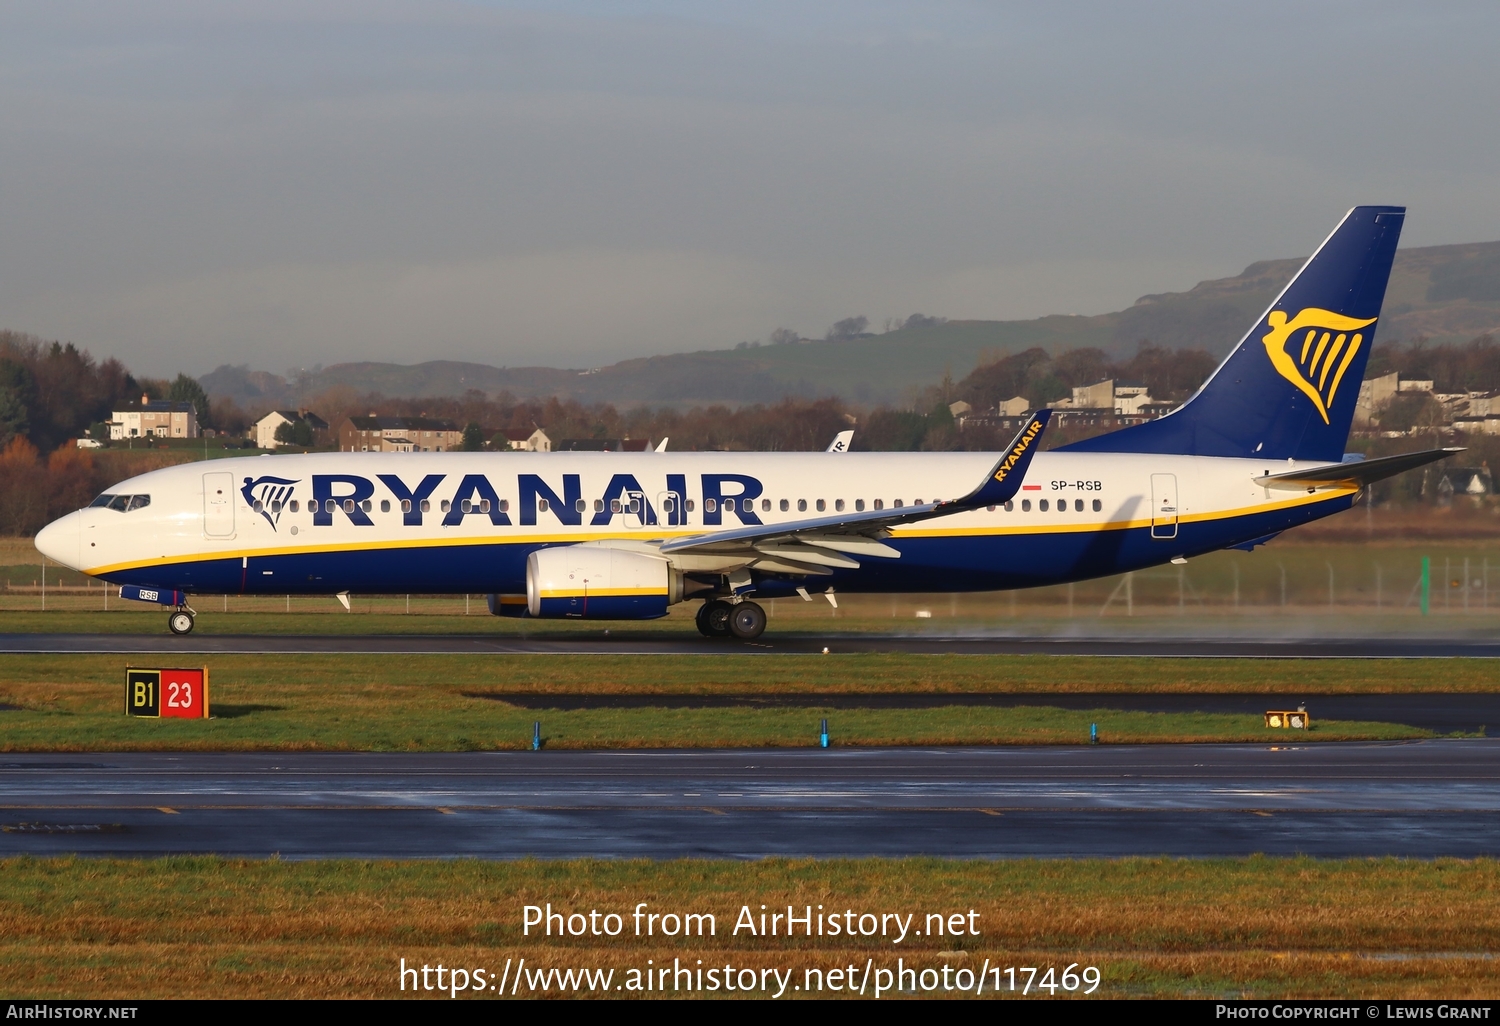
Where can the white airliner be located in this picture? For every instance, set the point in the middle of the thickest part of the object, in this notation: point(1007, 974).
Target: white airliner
point(1257, 450)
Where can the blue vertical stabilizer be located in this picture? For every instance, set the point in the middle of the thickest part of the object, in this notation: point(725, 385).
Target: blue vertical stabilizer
point(1288, 389)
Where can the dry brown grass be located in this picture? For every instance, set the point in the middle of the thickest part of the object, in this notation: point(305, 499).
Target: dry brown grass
point(1248, 927)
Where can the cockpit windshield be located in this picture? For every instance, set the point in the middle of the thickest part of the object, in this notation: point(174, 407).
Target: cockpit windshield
point(121, 503)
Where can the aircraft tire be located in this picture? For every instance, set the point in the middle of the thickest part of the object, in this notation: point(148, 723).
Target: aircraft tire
point(180, 622)
point(713, 618)
point(747, 621)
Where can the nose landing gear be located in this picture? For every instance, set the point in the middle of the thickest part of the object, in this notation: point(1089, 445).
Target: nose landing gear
point(181, 620)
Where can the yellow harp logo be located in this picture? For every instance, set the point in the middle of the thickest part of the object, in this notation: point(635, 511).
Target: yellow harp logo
point(1313, 350)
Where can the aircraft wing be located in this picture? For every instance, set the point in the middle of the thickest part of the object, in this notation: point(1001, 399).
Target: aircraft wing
point(815, 545)
point(1358, 473)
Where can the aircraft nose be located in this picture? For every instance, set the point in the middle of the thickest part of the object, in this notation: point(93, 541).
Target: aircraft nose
point(59, 540)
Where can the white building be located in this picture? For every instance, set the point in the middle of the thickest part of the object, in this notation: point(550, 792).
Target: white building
point(265, 428)
point(164, 418)
point(522, 440)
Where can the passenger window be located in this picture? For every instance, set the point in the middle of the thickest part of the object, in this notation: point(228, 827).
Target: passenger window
point(581, 505)
point(504, 505)
point(1025, 505)
point(785, 505)
point(896, 504)
point(275, 507)
point(426, 506)
point(838, 505)
point(801, 505)
point(728, 505)
point(614, 505)
point(542, 505)
point(1098, 505)
point(447, 505)
point(294, 505)
point(667, 505)
point(256, 505)
point(406, 505)
point(1042, 505)
point(1010, 505)
point(484, 505)
point(1077, 505)
point(690, 505)
point(765, 505)
point(859, 505)
point(709, 505)
point(635, 506)
point(365, 505)
point(598, 505)
point(880, 504)
point(385, 505)
point(990, 508)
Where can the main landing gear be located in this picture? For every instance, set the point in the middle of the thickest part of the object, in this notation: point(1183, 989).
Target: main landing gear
point(181, 620)
point(720, 619)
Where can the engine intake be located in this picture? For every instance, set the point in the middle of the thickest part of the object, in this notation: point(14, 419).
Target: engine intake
point(588, 582)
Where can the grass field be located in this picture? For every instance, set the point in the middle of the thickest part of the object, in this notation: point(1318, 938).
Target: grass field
point(1258, 927)
point(458, 703)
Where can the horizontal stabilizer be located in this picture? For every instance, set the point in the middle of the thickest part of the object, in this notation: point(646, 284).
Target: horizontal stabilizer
point(1359, 473)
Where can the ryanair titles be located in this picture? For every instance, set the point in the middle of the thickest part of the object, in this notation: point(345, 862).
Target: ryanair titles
point(435, 498)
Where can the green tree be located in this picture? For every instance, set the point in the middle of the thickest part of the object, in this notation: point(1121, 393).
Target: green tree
point(13, 414)
point(187, 390)
point(473, 438)
point(296, 432)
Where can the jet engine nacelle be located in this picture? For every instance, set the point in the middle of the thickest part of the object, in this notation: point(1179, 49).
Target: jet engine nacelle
point(594, 583)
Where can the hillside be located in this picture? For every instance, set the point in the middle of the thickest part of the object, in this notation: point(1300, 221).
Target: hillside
point(1446, 293)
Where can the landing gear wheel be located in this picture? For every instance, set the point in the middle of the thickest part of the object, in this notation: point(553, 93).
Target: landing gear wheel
point(713, 619)
point(181, 622)
point(747, 621)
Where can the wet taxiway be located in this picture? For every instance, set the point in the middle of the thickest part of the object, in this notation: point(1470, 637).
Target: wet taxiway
point(1420, 799)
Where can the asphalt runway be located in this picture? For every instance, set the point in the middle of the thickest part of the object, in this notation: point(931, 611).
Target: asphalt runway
point(1420, 799)
point(770, 643)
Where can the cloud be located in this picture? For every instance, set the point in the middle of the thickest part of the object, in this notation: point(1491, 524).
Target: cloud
point(576, 183)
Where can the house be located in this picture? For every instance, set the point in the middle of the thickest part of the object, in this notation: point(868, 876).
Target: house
point(399, 434)
point(1013, 407)
point(526, 440)
point(265, 428)
point(604, 445)
point(164, 418)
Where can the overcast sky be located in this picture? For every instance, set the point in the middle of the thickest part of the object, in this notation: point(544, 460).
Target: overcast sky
point(283, 184)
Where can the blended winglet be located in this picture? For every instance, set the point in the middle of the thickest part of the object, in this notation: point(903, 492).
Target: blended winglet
point(1005, 478)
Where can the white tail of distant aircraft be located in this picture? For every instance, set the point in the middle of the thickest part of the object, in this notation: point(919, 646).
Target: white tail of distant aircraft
point(1258, 449)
